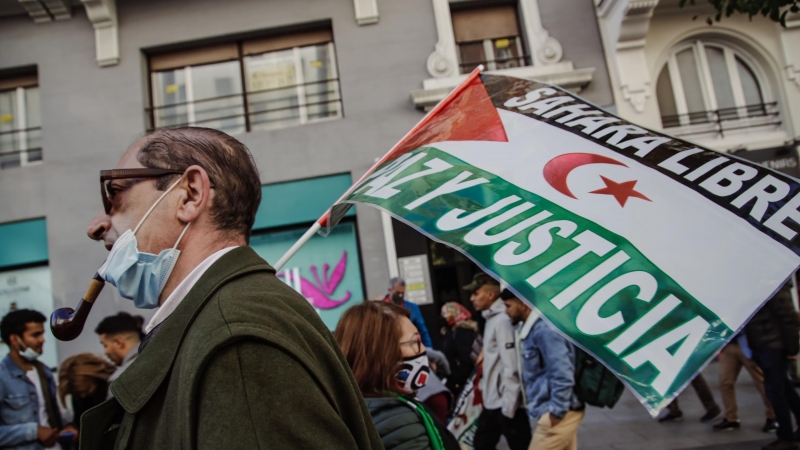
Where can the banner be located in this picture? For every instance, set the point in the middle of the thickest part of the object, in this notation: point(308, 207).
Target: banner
point(645, 250)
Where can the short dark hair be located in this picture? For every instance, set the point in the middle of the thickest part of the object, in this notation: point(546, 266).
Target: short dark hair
point(17, 321)
point(229, 165)
point(120, 323)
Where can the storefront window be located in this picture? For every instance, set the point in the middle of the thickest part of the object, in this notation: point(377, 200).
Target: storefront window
point(326, 271)
point(29, 288)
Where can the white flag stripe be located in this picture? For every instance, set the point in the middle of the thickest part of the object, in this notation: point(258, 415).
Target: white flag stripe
point(681, 232)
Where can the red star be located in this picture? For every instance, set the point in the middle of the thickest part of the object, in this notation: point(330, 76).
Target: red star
point(620, 191)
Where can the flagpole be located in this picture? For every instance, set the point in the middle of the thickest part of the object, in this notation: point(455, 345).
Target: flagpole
point(324, 218)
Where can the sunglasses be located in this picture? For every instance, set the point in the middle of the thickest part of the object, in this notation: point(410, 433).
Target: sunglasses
point(107, 176)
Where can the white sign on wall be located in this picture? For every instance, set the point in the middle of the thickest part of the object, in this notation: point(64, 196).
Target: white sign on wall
point(414, 269)
point(29, 289)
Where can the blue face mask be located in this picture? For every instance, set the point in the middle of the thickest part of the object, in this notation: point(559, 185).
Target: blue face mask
point(140, 276)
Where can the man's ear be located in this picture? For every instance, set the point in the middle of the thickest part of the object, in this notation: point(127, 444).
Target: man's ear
point(13, 341)
point(196, 188)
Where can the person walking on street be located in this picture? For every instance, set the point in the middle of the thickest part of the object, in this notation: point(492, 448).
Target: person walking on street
point(732, 358)
point(500, 385)
point(120, 336)
point(548, 379)
point(700, 385)
point(397, 295)
point(773, 334)
point(233, 358)
point(460, 344)
point(390, 364)
point(29, 415)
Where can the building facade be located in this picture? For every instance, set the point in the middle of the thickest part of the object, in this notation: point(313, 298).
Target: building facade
point(733, 86)
point(317, 89)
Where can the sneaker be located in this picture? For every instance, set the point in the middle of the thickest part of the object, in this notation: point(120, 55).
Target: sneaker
point(780, 444)
point(727, 425)
point(671, 417)
point(711, 415)
point(770, 426)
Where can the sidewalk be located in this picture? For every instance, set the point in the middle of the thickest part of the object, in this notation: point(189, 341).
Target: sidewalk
point(629, 426)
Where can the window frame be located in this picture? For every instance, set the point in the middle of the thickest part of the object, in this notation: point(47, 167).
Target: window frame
point(730, 53)
point(20, 124)
point(242, 53)
point(488, 43)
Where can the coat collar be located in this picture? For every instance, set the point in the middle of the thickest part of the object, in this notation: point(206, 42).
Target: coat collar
point(137, 384)
point(528, 325)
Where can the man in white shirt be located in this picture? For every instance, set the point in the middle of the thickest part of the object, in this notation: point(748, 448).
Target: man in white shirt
point(233, 358)
point(29, 414)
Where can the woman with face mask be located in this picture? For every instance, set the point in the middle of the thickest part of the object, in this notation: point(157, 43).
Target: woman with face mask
point(389, 362)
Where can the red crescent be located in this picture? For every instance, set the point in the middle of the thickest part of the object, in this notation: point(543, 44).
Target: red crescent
point(557, 169)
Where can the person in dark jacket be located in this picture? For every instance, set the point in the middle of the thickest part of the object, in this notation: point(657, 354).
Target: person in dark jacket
point(773, 334)
point(461, 344)
point(385, 352)
point(233, 357)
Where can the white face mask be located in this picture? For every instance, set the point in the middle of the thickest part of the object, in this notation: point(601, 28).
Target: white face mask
point(413, 374)
point(29, 353)
point(140, 276)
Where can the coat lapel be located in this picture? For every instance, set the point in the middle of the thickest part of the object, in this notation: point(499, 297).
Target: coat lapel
point(137, 384)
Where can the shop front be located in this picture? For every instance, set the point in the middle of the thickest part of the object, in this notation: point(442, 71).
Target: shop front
point(25, 281)
point(327, 270)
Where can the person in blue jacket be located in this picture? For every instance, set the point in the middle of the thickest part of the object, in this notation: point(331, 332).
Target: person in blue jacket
point(396, 295)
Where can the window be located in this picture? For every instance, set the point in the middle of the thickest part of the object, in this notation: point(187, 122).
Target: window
point(20, 121)
point(488, 36)
point(705, 82)
point(248, 85)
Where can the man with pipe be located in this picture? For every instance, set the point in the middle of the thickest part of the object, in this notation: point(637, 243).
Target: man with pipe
point(233, 358)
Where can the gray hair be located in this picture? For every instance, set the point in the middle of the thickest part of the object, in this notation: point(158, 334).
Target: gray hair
point(396, 280)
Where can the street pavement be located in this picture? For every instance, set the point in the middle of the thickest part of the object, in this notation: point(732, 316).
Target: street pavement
point(628, 426)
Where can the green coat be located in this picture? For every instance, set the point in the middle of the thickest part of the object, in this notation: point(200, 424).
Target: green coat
point(244, 362)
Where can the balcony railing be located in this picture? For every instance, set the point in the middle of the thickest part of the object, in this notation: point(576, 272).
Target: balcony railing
point(263, 109)
point(20, 147)
point(725, 119)
point(497, 64)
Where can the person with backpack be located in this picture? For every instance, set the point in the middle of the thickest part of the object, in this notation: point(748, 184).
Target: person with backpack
point(548, 376)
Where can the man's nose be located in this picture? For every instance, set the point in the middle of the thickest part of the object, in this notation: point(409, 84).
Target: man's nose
point(99, 226)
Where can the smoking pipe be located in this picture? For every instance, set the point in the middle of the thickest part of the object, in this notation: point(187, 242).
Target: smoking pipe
point(66, 323)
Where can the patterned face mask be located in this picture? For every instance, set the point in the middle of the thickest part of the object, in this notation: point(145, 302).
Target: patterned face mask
point(413, 374)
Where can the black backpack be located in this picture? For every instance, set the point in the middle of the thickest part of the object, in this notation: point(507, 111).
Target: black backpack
point(594, 384)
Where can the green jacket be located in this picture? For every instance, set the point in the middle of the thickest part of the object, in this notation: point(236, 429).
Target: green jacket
point(244, 362)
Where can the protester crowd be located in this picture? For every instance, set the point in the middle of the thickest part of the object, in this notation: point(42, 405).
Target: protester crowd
point(526, 374)
point(234, 358)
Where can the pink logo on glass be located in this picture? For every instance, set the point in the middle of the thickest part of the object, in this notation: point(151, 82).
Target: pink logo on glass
point(319, 293)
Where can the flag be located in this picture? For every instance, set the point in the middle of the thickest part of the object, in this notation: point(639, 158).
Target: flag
point(647, 251)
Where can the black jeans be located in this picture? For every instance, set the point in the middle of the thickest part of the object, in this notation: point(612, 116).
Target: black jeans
point(779, 389)
point(492, 423)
